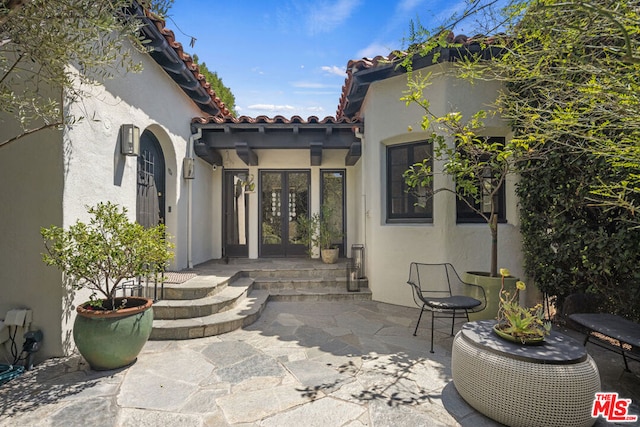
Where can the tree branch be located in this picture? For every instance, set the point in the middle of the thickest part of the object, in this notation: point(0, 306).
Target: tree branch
point(30, 132)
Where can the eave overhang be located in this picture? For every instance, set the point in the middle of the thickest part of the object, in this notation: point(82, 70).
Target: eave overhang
point(361, 73)
point(246, 135)
point(178, 65)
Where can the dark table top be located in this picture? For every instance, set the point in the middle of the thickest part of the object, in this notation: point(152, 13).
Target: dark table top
point(557, 349)
point(610, 325)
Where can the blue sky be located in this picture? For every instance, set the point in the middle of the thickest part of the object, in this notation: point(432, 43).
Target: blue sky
point(288, 57)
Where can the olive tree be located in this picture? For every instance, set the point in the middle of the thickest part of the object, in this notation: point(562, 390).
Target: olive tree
point(570, 91)
point(41, 39)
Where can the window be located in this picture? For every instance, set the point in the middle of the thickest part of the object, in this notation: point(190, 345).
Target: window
point(401, 206)
point(464, 214)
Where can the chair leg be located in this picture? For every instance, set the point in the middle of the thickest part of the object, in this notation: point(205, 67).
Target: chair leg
point(624, 357)
point(419, 317)
point(453, 321)
point(432, 317)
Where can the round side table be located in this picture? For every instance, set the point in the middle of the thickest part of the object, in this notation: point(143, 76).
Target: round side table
point(551, 384)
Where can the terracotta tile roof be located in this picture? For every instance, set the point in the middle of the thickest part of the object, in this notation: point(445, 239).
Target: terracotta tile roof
point(274, 120)
point(362, 72)
point(356, 65)
point(197, 88)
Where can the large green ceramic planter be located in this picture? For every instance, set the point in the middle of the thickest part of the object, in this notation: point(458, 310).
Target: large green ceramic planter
point(491, 286)
point(113, 339)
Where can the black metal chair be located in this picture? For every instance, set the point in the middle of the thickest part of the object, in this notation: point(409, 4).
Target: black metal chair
point(439, 289)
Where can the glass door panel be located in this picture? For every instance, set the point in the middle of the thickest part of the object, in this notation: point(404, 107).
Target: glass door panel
point(271, 230)
point(298, 199)
point(284, 197)
point(236, 214)
point(333, 196)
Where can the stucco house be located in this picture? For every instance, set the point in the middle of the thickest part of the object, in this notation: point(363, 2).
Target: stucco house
point(196, 160)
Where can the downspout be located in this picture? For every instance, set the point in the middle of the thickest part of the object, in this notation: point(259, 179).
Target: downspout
point(363, 228)
point(190, 151)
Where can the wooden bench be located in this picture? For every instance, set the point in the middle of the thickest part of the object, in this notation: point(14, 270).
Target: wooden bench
point(612, 332)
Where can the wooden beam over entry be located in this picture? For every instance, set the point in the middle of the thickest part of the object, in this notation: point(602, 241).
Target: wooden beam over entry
point(316, 153)
point(246, 154)
point(355, 151)
point(246, 135)
point(207, 154)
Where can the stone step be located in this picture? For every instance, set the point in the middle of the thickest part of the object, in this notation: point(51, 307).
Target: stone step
point(201, 286)
point(330, 293)
point(274, 283)
point(326, 271)
point(220, 301)
point(226, 299)
point(244, 313)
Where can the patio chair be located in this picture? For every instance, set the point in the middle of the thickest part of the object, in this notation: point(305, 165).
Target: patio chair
point(439, 289)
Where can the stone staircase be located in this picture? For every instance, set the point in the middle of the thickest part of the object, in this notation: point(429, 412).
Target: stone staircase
point(220, 300)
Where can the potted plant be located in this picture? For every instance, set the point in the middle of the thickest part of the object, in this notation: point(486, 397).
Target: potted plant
point(479, 167)
point(318, 231)
point(109, 331)
point(247, 183)
point(517, 323)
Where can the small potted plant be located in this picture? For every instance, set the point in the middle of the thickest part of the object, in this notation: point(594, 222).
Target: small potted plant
point(109, 331)
point(319, 231)
point(517, 323)
point(248, 184)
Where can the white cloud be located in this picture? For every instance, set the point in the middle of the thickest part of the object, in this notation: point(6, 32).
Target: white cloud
point(334, 70)
point(408, 5)
point(325, 17)
point(373, 50)
point(314, 85)
point(270, 107)
point(315, 110)
point(308, 85)
point(317, 92)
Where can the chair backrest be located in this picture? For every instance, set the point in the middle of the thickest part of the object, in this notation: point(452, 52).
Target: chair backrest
point(441, 281)
point(431, 279)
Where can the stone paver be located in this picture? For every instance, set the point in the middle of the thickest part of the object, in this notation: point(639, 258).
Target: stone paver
point(301, 364)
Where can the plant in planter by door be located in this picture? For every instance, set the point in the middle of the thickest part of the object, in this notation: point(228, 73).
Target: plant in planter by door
point(99, 256)
point(248, 184)
point(319, 231)
point(517, 323)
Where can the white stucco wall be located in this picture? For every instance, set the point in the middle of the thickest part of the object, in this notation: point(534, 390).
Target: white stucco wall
point(391, 247)
point(95, 171)
point(30, 191)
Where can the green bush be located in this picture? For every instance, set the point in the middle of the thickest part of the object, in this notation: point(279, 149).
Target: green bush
point(571, 244)
point(109, 249)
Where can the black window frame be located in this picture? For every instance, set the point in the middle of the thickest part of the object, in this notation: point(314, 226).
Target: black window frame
point(412, 213)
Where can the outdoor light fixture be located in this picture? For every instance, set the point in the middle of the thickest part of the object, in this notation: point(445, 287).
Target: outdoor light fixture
point(129, 140)
point(188, 168)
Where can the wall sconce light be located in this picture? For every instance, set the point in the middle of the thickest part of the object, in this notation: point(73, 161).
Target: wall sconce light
point(129, 140)
point(188, 168)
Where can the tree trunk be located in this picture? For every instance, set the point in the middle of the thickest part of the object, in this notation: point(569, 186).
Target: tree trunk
point(494, 245)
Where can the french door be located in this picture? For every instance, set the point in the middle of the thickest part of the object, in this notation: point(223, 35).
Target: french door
point(333, 196)
point(150, 198)
point(284, 197)
point(236, 213)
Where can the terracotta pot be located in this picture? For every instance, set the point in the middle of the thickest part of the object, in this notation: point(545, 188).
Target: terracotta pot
point(113, 339)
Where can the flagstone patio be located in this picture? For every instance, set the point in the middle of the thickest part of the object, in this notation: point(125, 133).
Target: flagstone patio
point(309, 363)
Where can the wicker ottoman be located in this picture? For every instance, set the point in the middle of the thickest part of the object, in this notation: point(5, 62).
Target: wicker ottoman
point(553, 384)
